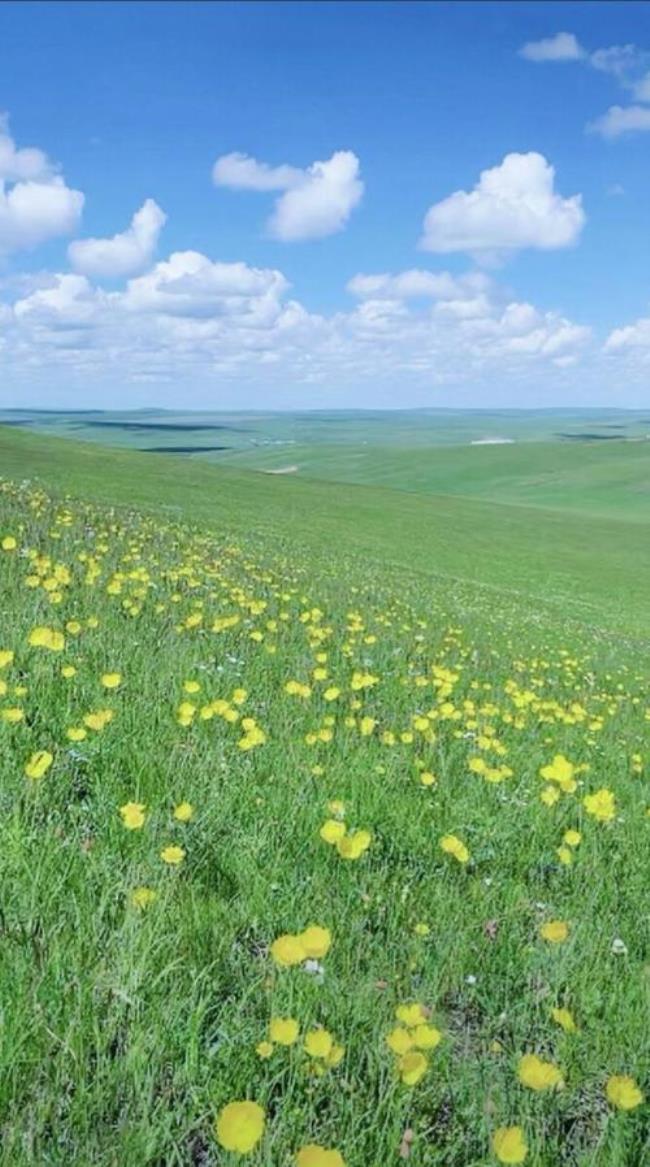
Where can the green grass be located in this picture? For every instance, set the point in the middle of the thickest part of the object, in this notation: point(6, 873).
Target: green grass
point(521, 633)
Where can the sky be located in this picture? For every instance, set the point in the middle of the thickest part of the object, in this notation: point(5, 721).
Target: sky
point(317, 205)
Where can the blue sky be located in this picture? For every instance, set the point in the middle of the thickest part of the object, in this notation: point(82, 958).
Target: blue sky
point(243, 285)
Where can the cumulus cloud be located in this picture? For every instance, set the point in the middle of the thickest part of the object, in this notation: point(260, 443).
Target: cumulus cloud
point(316, 202)
point(189, 284)
point(241, 172)
point(514, 205)
point(619, 120)
point(35, 202)
point(196, 321)
point(564, 46)
point(125, 253)
point(632, 336)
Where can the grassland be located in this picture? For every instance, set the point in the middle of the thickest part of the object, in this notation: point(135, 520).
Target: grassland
point(452, 685)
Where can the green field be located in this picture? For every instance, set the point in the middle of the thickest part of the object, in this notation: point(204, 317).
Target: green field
point(439, 650)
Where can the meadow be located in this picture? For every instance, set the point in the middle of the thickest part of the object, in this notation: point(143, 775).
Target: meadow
point(325, 813)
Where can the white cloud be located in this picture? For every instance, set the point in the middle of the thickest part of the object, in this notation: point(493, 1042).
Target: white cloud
point(189, 284)
point(513, 206)
point(35, 203)
point(619, 120)
point(632, 336)
point(641, 88)
point(415, 283)
point(618, 60)
point(123, 254)
point(564, 46)
point(241, 172)
point(316, 202)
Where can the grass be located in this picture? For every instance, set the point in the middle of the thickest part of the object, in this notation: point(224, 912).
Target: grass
point(454, 631)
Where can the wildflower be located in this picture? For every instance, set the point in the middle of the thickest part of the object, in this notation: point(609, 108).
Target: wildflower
point(427, 778)
point(191, 686)
point(76, 733)
point(46, 638)
point(550, 795)
point(318, 1043)
point(332, 831)
point(172, 855)
point(426, 1036)
point(564, 1019)
point(565, 855)
point(354, 845)
point(399, 1040)
point(452, 845)
point(316, 941)
point(312, 1155)
point(264, 1049)
point(422, 929)
point(6, 657)
point(287, 951)
point(184, 812)
point(12, 714)
point(601, 805)
point(411, 1015)
point(142, 897)
point(412, 1066)
point(38, 765)
point(240, 1126)
point(133, 815)
point(68, 671)
point(537, 1074)
point(562, 771)
point(9, 543)
point(509, 1144)
point(283, 1030)
point(111, 680)
point(554, 931)
point(572, 838)
point(623, 1092)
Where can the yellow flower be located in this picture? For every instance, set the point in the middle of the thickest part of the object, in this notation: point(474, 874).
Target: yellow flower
point(399, 1040)
point(354, 845)
point(191, 686)
point(411, 1015)
point(240, 1126)
point(554, 931)
point(283, 1030)
point(111, 680)
point(46, 638)
point(538, 1074)
point(6, 657)
point(12, 714)
point(562, 771)
point(264, 1049)
point(452, 845)
point(172, 855)
point(623, 1092)
point(9, 543)
point(427, 778)
point(184, 812)
point(316, 941)
point(312, 1155)
point(68, 671)
point(331, 831)
point(288, 950)
point(412, 1066)
point(509, 1144)
point(426, 1036)
point(76, 733)
point(335, 1056)
point(38, 764)
point(142, 897)
point(565, 855)
point(318, 1043)
point(601, 805)
point(422, 929)
point(133, 815)
point(571, 838)
point(565, 1019)
point(550, 795)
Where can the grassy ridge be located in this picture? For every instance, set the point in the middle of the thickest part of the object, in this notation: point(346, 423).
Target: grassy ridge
point(596, 569)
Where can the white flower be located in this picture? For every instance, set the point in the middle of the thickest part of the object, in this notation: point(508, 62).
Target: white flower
point(619, 947)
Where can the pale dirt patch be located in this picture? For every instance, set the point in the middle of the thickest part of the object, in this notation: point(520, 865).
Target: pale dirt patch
point(282, 470)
